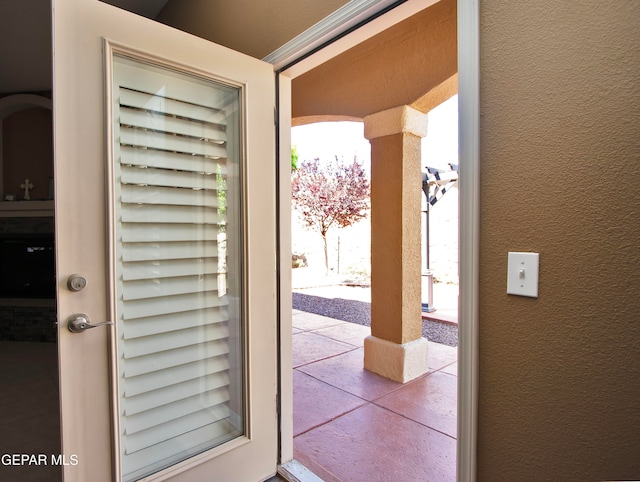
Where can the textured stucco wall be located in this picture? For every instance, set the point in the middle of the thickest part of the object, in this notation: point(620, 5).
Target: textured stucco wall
point(396, 67)
point(560, 175)
point(255, 28)
point(395, 238)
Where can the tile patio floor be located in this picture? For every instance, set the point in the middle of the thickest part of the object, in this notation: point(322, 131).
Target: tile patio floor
point(352, 425)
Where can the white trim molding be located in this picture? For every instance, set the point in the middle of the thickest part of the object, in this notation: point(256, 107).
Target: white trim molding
point(469, 233)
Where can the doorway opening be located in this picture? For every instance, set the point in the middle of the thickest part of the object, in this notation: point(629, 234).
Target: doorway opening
point(338, 406)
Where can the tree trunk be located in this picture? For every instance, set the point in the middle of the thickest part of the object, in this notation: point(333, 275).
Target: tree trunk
point(326, 254)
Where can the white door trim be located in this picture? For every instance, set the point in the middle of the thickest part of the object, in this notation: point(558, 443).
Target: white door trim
point(469, 212)
point(469, 242)
point(285, 322)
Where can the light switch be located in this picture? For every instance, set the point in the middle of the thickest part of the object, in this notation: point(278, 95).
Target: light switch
point(522, 274)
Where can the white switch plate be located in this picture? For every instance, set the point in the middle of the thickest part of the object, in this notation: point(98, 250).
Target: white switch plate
point(522, 274)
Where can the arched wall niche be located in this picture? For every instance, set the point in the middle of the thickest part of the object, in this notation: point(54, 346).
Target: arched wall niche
point(14, 103)
point(26, 146)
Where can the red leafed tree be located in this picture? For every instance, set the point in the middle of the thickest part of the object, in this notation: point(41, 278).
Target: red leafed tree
point(330, 194)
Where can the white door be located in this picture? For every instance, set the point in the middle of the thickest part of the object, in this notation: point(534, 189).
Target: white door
point(165, 227)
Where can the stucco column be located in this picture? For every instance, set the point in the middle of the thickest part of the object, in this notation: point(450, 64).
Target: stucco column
point(396, 349)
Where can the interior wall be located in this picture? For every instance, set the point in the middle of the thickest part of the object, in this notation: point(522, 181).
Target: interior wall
point(250, 27)
point(560, 175)
point(27, 153)
point(25, 46)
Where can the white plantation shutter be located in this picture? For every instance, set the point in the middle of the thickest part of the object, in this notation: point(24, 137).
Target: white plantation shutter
point(176, 204)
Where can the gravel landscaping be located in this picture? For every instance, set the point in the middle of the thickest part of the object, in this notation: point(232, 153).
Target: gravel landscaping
point(360, 312)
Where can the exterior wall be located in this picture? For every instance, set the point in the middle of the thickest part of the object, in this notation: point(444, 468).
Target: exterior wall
point(560, 175)
point(396, 67)
point(250, 27)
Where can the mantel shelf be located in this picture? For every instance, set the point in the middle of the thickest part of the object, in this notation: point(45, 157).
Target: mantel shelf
point(23, 209)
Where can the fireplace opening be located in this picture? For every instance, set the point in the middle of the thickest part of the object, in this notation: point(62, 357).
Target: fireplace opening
point(27, 266)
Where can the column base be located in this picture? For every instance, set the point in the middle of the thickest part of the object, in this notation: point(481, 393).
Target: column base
point(400, 363)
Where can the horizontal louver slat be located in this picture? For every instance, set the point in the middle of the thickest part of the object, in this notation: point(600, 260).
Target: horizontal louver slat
point(174, 304)
point(135, 213)
point(157, 103)
point(173, 322)
point(168, 268)
point(142, 119)
point(148, 233)
point(163, 142)
point(167, 178)
point(173, 428)
point(169, 250)
point(178, 356)
point(168, 195)
point(143, 289)
point(171, 451)
point(171, 376)
point(172, 411)
point(176, 339)
point(163, 396)
point(132, 156)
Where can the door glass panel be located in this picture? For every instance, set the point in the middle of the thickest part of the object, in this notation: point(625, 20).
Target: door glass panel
point(177, 259)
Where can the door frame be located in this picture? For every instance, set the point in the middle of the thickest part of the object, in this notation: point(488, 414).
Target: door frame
point(307, 52)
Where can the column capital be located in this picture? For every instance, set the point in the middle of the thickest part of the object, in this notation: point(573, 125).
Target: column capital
point(402, 119)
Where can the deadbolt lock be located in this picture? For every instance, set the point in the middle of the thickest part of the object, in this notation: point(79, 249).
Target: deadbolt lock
point(76, 282)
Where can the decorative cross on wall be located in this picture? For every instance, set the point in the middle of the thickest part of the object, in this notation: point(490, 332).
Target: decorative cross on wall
point(27, 186)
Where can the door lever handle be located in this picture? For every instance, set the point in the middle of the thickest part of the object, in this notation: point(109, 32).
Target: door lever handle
point(79, 322)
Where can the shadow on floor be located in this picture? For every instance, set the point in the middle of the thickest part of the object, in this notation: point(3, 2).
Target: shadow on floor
point(353, 425)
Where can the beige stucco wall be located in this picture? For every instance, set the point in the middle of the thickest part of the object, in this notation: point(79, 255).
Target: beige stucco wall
point(395, 238)
point(560, 166)
point(255, 28)
point(399, 66)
